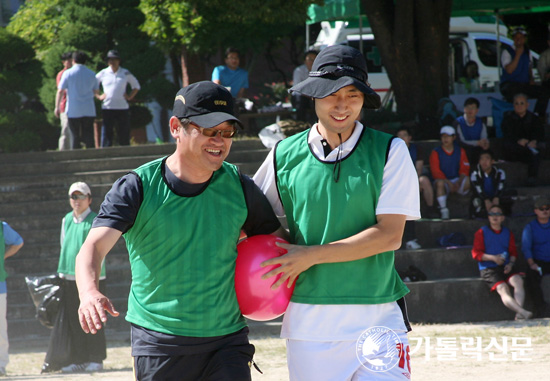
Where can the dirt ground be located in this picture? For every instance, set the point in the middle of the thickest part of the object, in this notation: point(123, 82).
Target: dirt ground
point(510, 350)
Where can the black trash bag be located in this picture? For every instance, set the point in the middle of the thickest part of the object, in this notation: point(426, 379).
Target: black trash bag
point(59, 347)
point(46, 292)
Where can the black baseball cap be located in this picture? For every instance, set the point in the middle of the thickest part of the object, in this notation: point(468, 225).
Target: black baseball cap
point(336, 67)
point(113, 54)
point(205, 103)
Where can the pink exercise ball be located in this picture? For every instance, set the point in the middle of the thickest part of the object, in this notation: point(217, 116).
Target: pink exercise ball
point(256, 298)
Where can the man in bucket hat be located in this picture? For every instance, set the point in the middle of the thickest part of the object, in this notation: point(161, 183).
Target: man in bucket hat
point(346, 191)
point(181, 217)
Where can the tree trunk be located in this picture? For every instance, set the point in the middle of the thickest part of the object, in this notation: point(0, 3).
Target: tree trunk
point(192, 69)
point(413, 39)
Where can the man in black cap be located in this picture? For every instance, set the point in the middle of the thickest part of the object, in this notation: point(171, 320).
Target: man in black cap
point(181, 217)
point(115, 79)
point(346, 191)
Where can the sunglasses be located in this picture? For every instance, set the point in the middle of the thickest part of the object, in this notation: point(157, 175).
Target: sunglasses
point(544, 208)
point(494, 214)
point(212, 133)
point(79, 196)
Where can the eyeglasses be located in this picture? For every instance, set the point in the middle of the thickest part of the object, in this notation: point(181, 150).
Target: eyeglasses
point(494, 214)
point(212, 133)
point(544, 208)
point(79, 196)
point(519, 103)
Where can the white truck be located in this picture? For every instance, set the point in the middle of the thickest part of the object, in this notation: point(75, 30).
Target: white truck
point(470, 39)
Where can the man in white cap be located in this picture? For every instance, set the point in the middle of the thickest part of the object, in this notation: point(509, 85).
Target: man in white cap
point(450, 169)
point(181, 217)
point(346, 191)
point(83, 353)
point(115, 108)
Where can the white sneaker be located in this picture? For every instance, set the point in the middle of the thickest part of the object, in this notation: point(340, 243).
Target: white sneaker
point(444, 213)
point(94, 367)
point(75, 368)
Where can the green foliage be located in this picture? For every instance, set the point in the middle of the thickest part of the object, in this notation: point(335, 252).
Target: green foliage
point(22, 126)
point(206, 26)
point(39, 22)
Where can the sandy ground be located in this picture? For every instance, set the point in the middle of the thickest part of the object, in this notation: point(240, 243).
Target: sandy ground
point(509, 351)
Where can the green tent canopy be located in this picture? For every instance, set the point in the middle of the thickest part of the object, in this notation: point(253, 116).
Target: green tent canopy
point(351, 9)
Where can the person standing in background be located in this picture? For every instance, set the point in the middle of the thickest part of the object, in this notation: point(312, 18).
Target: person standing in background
point(10, 243)
point(115, 108)
point(82, 353)
point(80, 84)
point(65, 136)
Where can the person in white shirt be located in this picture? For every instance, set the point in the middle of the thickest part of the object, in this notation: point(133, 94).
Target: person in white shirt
point(347, 191)
point(115, 109)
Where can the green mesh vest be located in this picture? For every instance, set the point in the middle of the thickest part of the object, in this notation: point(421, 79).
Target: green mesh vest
point(182, 253)
point(320, 210)
point(3, 274)
point(75, 235)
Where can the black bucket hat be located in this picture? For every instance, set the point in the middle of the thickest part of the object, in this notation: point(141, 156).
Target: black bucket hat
point(206, 104)
point(336, 67)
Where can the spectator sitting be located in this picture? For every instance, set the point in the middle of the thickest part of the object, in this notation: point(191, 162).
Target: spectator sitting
point(488, 187)
point(424, 181)
point(472, 133)
point(450, 169)
point(231, 75)
point(523, 135)
point(517, 73)
point(495, 250)
point(305, 110)
point(535, 244)
point(470, 80)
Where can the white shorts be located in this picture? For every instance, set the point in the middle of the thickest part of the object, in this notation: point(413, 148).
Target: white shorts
point(343, 360)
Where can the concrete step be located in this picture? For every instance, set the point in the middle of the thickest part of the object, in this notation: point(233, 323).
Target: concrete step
point(428, 231)
point(439, 263)
point(455, 301)
point(157, 150)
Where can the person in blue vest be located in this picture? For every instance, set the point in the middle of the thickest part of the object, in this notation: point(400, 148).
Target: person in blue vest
point(181, 217)
point(347, 191)
point(425, 184)
point(472, 132)
point(82, 353)
point(230, 75)
point(495, 250)
point(10, 243)
point(517, 73)
point(450, 169)
point(535, 245)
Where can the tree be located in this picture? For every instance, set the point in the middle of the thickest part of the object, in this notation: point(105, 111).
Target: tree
point(412, 37)
point(94, 27)
point(190, 29)
point(23, 124)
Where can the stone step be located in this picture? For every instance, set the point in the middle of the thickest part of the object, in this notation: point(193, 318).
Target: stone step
point(439, 263)
point(157, 150)
point(428, 231)
point(101, 164)
point(455, 301)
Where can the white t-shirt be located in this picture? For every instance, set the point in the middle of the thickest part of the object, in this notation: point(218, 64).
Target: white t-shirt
point(399, 195)
point(114, 86)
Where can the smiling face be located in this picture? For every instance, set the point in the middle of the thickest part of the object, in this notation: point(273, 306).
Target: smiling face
point(202, 155)
point(338, 112)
